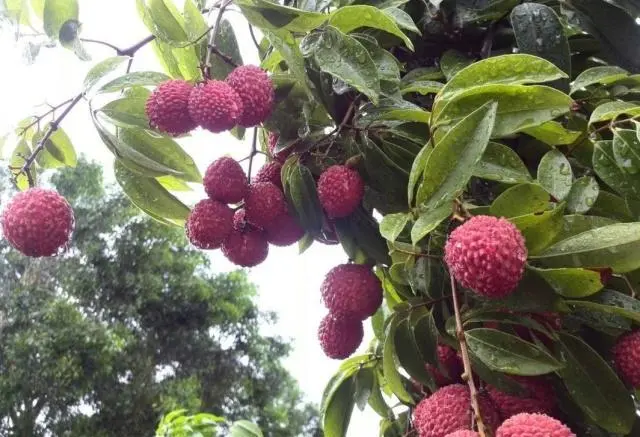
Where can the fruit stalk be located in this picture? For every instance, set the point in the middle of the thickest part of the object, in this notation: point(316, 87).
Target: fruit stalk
point(212, 37)
point(467, 375)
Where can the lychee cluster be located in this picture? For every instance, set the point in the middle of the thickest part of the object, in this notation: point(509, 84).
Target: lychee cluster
point(352, 293)
point(626, 357)
point(245, 99)
point(243, 235)
point(487, 255)
point(38, 222)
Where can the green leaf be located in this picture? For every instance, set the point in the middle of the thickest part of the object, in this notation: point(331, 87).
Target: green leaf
point(610, 110)
point(349, 18)
point(501, 163)
point(195, 24)
point(56, 13)
point(284, 42)
point(58, 149)
point(393, 224)
point(603, 75)
point(390, 363)
point(336, 417)
point(17, 160)
point(520, 200)
point(402, 19)
point(302, 193)
point(388, 109)
point(606, 167)
point(553, 133)
point(540, 230)
point(519, 107)
point(450, 166)
point(539, 31)
point(425, 333)
point(626, 150)
point(610, 302)
point(364, 386)
point(595, 387)
point(345, 58)
point(227, 43)
point(409, 355)
point(571, 283)
point(172, 183)
point(267, 15)
point(101, 69)
point(138, 78)
point(244, 428)
point(164, 53)
point(452, 61)
point(577, 224)
point(615, 246)
point(515, 69)
point(428, 221)
point(417, 169)
point(151, 197)
point(377, 402)
point(583, 195)
point(509, 354)
point(126, 112)
point(165, 25)
point(423, 87)
point(555, 174)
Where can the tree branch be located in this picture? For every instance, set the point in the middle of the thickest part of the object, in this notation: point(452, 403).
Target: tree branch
point(131, 51)
point(212, 38)
point(39, 118)
point(467, 375)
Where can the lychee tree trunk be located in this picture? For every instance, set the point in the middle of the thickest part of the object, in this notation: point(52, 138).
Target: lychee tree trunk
point(449, 110)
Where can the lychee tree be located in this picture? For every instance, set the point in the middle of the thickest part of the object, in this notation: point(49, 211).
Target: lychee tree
point(478, 159)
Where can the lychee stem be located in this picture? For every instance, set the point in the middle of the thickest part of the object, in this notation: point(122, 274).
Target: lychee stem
point(254, 151)
point(467, 375)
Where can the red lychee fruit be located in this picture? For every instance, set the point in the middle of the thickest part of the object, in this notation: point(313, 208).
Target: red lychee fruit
point(533, 425)
point(284, 231)
point(463, 434)
point(352, 290)
point(281, 156)
point(225, 181)
point(340, 190)
point(215, 106)
point(340, 336)
point(270, 172)
point(38, 222)
point(264, 203)
point(539, 398)
point(240, 220)
point(256, 91)
point(488, 255)
point(209, 223)
point(168, 108)
point(449, 410)
point(246, 248)
point(626, 357)
point(451, 362)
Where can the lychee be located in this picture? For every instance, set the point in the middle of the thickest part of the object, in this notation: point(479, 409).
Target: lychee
point(538, 398)
point(225, 180)
point(533, 425)
point(284, 231)
point(264, 203)
point(246, 248)
point(488, 255)
point(240, 220)
point(256, 91)
point(270, 172)
point(340, 336)
point(340, 190)
point(463, 434)
point(352, 290)
point(272, 143)
point(209, 223)
point(38, 222)
point(450, 361)
point(449, 410)
point(626, 357)
point(215, 106)
point(168, 108)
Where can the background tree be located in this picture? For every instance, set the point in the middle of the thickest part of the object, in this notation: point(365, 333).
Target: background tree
point(131, 323)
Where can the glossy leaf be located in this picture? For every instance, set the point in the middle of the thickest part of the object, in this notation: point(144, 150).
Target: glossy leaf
point(137, 78)
point(572, 283)
point(611, 110)
point(604, 75)
point(58, 149)
point(392, 110)
point(583, 195)
point(520, 200)
point(501, 163)
point(626, 150)
point(393, 224)
point(165, 25)
point(606, 167)
point(452, 62)
point(540, 230)
point(364, 386)
point(390, 363)
point(450, 166)
point(610, 302)
point(101, 69)
point(304, 198)
point(417, 169)
point(56, 13)
point(553, 133)
point(555, 174)
point(272, 16)
point(17, 160)
point(428, 220)
point(402, 19)
point(126, 112)
point(577, 224)
point(349, 18)
point(509, 354)
point(425, 332)
point(595, 387)
point(227, 43)
point(244, 428)
point(409, 355)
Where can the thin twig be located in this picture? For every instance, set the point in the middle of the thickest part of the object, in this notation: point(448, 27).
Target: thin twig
point(254, 150)
point(226, 58)
point(212, 37)
point(628, 282)
point(253, 37)
point(40, 117)
point(468, 375)
point(104, 43)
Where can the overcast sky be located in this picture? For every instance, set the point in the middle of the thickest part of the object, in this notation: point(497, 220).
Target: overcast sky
point(288, 284)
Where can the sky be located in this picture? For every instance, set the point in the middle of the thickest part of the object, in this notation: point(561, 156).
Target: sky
point(288, 283)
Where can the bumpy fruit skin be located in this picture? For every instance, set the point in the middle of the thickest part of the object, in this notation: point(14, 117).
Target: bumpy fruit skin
point(270, 172)
point(448, 410)
point(284, 231)
point(209, 223)
point(225, 181)
point(168, 108)
point(340, 336)
point(215, 106)
point(340, 190)
point(451, 363)
point(626, 356)
point(264, 203)
point(488, 255)
point(539, 398)
point(38, 222)
point(352, 290)
point(255, 89)
point(533, 425)
point(246, 248)
point(463, 434)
